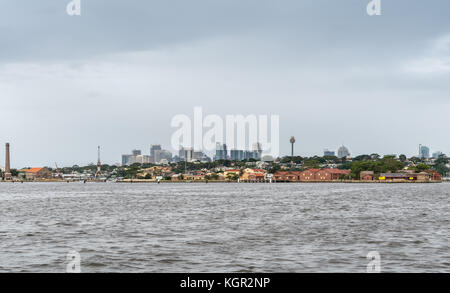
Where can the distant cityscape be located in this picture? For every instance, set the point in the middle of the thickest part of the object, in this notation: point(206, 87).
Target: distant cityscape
point(160, 156)
point(243, 165)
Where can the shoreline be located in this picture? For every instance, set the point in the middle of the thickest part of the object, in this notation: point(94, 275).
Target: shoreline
point(146, 181)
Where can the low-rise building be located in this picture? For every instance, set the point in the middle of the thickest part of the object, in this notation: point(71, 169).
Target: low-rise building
point(254, 175)
point(314, 175)
point(367, 175)
point(38, 173)
point(287, 176)
point(308, 175)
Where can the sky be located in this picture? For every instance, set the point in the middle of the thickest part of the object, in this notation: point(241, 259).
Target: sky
point(116, 75)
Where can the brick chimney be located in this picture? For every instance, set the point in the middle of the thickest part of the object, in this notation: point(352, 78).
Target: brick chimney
point(7, 164)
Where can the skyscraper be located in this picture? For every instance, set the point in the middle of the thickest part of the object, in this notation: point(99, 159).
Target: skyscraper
point(136, 152)
point(162, 155)
point(424, 152)
point(153, 149)
point(186, 154)
point(221, 152)
point(237, 155)
point(437, 154)
point(328, 153)
point(257, 147)
point(343, 152)
point(8, 175)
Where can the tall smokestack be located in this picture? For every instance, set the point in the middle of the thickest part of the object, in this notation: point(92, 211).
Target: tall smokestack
point(7, 164)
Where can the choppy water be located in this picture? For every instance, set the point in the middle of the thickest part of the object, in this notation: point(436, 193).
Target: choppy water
point(224, 227)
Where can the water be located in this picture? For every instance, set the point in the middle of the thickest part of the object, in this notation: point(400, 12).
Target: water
point(224, 227)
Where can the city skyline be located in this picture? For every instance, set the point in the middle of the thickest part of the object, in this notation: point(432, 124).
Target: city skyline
point(137, 152)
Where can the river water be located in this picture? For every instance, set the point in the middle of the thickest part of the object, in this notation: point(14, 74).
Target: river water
point(224, 227)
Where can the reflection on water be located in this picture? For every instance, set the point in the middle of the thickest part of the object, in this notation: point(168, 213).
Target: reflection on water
point(224, 227)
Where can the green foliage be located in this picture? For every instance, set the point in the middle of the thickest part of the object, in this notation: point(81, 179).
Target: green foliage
point(296, 160)
point(311, 164)
point(387, 164)
point(421, 167)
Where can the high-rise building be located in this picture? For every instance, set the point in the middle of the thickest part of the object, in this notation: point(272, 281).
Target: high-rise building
point(8, 175)
point(133, 158)
point(257, 147)
point(186, 154)
point(162, 155)
point(153, 149)
point(424, 152)
point(144, 159)
point(237, 155)
point(328, 153)
point(221, 152)
point(251, 155)
point(181, 153)
point(436, 155)
point(343, 152)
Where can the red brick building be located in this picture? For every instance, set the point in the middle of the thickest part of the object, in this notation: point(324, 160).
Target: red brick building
point(435, 176)
point(314, 175)
point(287, 176)
point(309, 175)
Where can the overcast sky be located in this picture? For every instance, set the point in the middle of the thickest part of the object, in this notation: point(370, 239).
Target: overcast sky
point(116, 75)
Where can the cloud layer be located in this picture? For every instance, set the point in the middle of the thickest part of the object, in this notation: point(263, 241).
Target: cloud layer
point(116, 75)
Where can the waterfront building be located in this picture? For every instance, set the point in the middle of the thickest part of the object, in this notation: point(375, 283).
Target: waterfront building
point(38, 173)
point(314, 175)
point(343, 152)
point(367, 175)
point(253, 175)
point(231, 172)
point(287, 176)
point(403, 176)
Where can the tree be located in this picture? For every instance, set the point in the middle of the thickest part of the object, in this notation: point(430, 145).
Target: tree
point(311, 164)
point(422, 167)
point(362, 158)
point(402, 158)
